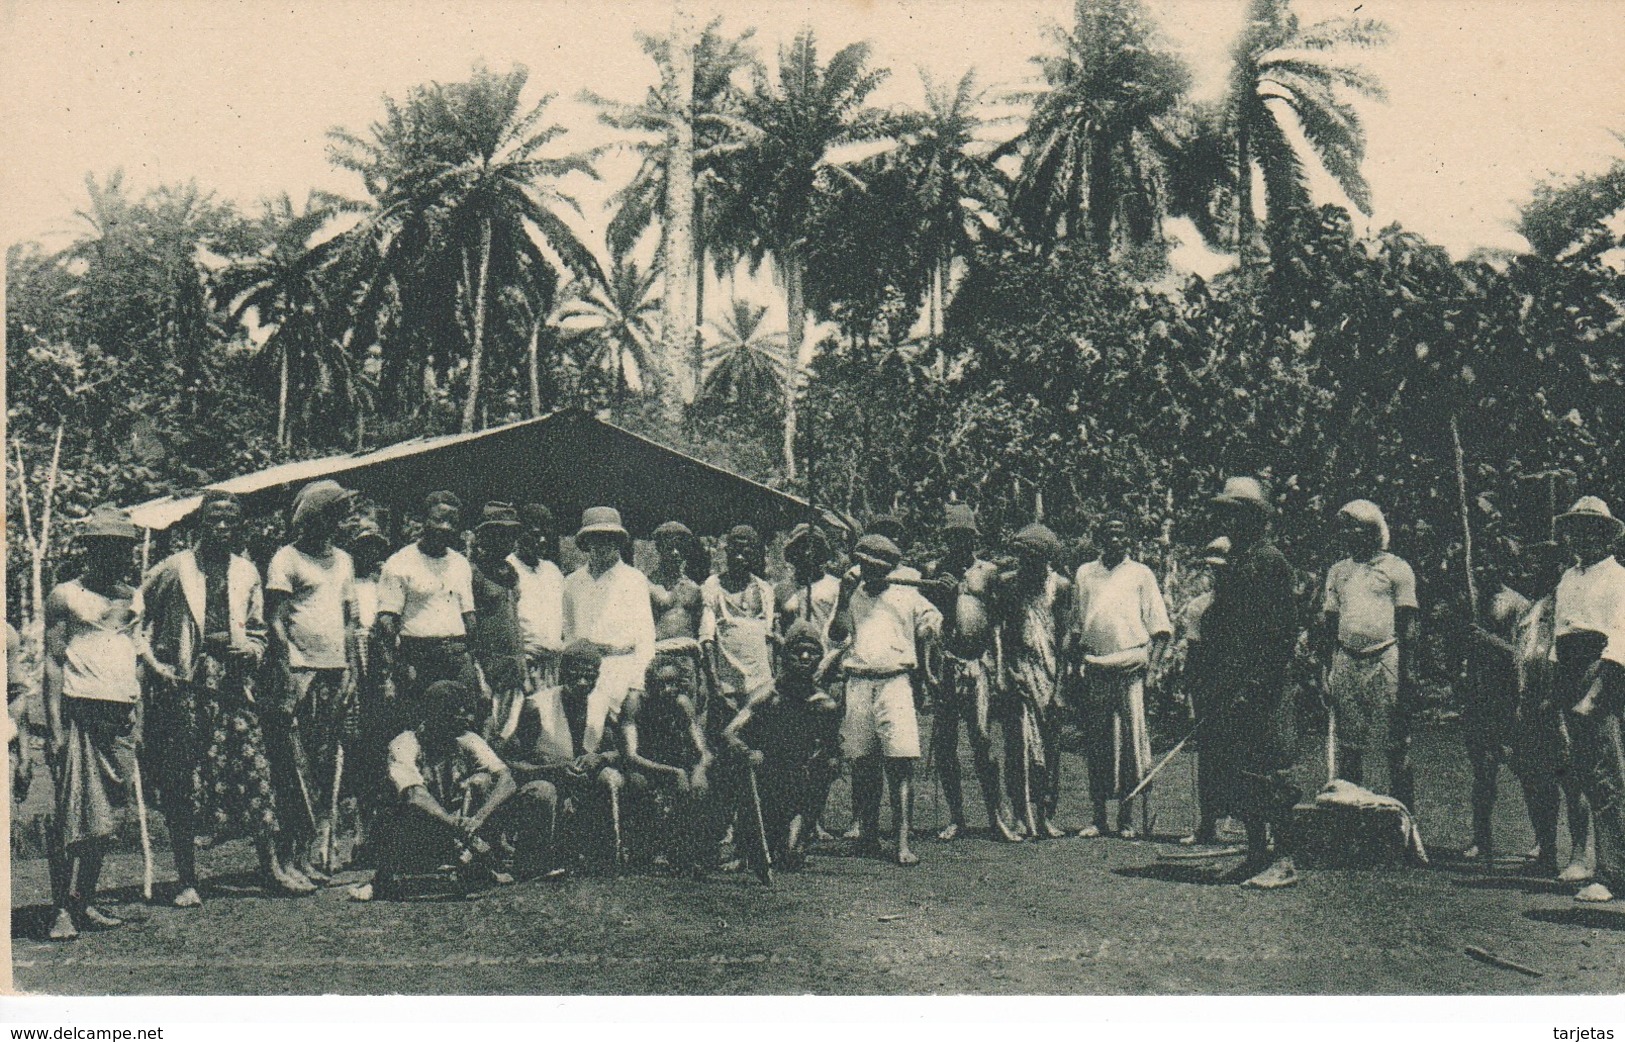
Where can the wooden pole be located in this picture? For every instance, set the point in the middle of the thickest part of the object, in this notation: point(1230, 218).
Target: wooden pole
point(1466, 516)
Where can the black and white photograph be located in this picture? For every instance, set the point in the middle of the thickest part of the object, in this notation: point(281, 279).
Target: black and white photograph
point(901, 498)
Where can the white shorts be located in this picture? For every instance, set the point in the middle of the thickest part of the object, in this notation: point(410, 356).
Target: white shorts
point(880, 719)
point(617, 676)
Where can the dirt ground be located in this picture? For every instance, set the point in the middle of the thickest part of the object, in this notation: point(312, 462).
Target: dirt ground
point(1066, 917)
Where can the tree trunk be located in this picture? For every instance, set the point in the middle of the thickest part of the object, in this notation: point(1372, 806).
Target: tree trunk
point(282, 402)
point(797, 331)
point(697, 361)
point(1466, 517)
point(476, 356)
point(533, 366)
point(677, 306)
point(1244, 188)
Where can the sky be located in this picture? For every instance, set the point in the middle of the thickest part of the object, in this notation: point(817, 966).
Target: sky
point(1486, 98)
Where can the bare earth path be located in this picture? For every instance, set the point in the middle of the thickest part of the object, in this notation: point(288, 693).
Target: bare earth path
point(1072, 916)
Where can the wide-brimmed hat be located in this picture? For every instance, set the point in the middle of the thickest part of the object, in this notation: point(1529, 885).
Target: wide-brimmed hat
point(498, 515)
point(957, 517)
point(1245, 492)
point(1591, 510)
point(879, 550)
point(1217, 552)
point(317, 498)
point(108, 522)
point(601, 521)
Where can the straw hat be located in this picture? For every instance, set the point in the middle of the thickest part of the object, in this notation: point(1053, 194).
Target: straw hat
point(601, 520)
point(879, 550)
point(1591, 510)
point(107, 522)
point(1248, 492)
point(317, 498)
point(957, 517)
point(498, 515)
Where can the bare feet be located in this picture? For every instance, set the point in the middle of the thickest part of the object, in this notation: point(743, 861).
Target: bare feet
point(1281, 874)
point(188, 898)
point(853, 832)
point(1002, 832)
point(289, 881)
point(907, 857)
point(1127, 832)
point(1596, 893)
point(1576, 872)
point(63, 929)
point(1473, 853)
point(1090, 832)
point(361, 892)
point(1049, 830)
point(100, 919)
point(949, 834)
point(822, 835)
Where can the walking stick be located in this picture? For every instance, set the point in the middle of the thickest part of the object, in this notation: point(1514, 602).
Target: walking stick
point(615, 826)
point(764, 868)
point(333, 817)
point(1152, 773)
point(146, 836)
point(1331, 726)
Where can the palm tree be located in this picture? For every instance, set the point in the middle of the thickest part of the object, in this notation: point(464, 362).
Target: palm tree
point(954, 180)
point(613, 325)
point(1093, 152)
point(709, 119)
point(461, 196)
point(806, 131)
point(745, 366)
point(1279, 69)
point(284, 284)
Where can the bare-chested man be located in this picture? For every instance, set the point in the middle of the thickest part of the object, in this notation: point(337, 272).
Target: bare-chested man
point(673, 593)
point(965, 692)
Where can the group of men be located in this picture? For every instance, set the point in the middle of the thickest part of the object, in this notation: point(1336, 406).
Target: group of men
point(489, 714)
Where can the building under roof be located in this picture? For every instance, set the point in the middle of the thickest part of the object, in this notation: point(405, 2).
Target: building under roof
point(569, 460)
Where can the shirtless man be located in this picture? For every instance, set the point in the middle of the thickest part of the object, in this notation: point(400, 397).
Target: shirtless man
point(810, 593)
point(674, 596)
point(788, 733)
point(966, 689)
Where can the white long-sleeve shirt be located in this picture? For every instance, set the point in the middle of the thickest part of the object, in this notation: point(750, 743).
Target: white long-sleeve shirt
point(612, 610)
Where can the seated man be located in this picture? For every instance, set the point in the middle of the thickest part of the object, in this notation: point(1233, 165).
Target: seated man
point(548, 743)
point(436, 765)
point(663, 736)
point(789, 733)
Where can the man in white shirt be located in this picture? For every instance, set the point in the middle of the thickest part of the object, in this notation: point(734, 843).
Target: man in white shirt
point(884, 625)
point(426, 604)
point(606, 601)
point(1368, 626)
point(1121, 632)
point(541, 593)
point(310, 605)
point(1589, 629)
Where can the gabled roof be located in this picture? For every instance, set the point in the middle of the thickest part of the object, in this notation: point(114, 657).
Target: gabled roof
point(569, 460)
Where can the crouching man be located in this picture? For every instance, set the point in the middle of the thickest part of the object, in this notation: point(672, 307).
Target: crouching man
point(438, 768)
point(788, 733)
point(548, 743)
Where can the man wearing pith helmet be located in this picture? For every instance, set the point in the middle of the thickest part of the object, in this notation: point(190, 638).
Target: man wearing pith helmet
point(606, 601)
point(1590, 683)
point(881, 733)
